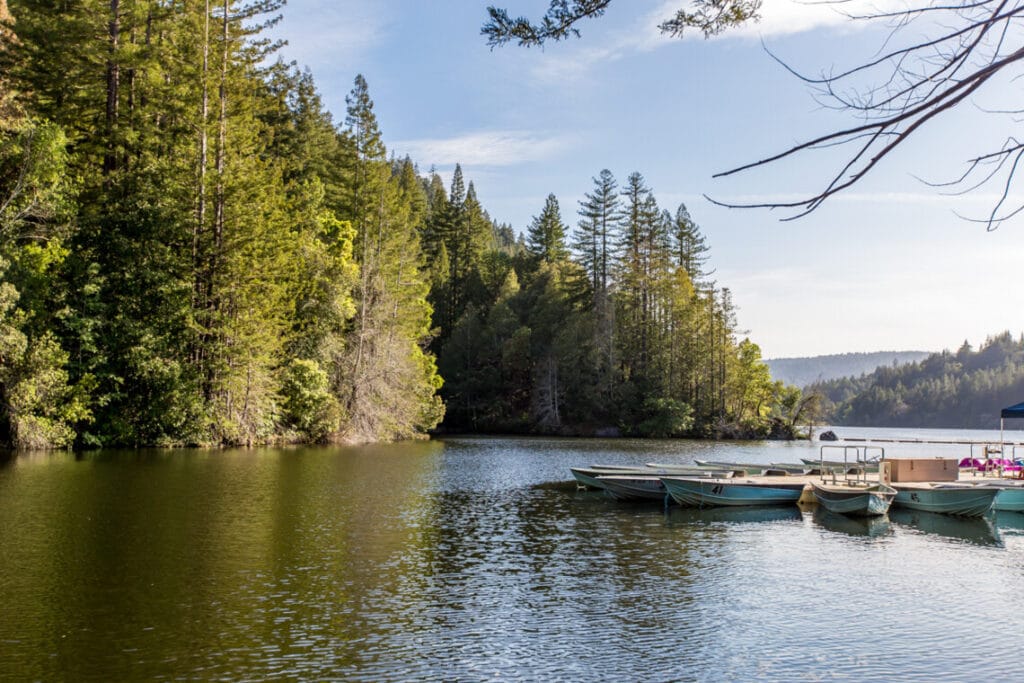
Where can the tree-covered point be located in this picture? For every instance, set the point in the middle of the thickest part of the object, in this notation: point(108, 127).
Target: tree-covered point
point(193, 252)
point(962, 389)
point(615, 330)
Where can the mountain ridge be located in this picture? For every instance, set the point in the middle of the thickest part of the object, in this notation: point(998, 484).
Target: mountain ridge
point(806, 370)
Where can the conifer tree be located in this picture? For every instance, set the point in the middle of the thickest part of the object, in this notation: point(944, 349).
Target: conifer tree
point(689, 246)
point(546, 234)
point(595, 233)
point(390, 382)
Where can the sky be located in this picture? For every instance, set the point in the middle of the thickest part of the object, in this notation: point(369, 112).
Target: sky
point(889, 265)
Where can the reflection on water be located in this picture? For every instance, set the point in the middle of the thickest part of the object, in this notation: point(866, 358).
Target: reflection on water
point(463, 560)
point(1010, 520)
point(734, 515)
point(977, 530)
point(852, 526)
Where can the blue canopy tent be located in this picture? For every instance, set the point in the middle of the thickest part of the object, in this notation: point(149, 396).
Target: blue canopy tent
point(1013, 411)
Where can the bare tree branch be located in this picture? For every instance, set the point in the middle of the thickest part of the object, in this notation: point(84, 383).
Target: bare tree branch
point(925, 79)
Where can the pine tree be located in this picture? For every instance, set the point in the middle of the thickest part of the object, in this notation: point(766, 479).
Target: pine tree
point(390, 383)
point(595, 233)
point(689, 246)
point(546, 234)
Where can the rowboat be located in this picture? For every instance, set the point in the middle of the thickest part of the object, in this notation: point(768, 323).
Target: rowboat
point(856, 501)
point(752, 468)
point(1010, 497)
point(946, 499)
point(628, 487)
point(590, 477)
point(840, 465)
point(707, 492)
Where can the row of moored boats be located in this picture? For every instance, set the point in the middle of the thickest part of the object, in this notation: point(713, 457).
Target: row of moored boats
point(838, 486)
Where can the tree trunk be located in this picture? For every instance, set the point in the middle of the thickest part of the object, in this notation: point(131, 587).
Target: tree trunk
point(113, 87)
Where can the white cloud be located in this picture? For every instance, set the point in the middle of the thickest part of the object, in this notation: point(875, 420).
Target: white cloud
point(786, 17)
point(778, 18)
point(483, 148)
point(338, 32)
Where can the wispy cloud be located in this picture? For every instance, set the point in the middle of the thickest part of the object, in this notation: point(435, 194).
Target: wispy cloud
point(338, 32)
point(483, 148)
point(778, 18)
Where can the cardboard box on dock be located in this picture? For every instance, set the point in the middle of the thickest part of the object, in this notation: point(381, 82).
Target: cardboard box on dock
point(924, 469)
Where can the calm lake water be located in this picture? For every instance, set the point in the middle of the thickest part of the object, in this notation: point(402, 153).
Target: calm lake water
point(470, 559)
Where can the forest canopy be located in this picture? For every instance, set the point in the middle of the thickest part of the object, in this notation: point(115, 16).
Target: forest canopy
point(192, 251)
point(966, 388)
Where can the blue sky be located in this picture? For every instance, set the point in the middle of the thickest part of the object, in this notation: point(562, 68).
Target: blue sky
point(887, 266)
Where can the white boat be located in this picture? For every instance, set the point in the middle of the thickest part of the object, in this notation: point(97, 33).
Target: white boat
point(709, 492)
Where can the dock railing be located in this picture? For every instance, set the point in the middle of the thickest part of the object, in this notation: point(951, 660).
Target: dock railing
point(854, 471)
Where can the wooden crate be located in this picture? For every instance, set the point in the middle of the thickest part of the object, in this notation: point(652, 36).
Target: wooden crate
point(924, 469)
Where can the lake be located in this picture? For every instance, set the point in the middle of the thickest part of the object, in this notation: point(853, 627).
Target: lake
point(472, 558)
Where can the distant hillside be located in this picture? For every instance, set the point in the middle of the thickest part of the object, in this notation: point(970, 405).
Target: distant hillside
point(803, 371)
point(965, 389)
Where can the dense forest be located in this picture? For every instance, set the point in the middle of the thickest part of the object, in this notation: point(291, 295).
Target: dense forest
point(193, 252)
point(963, 389)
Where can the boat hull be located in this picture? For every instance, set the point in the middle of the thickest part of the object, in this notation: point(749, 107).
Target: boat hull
point(591, 477)
point(587, 478)
point(1010, 499)
point(856, 502)
point(716, 492)
point(627, 488)
point(962, 501)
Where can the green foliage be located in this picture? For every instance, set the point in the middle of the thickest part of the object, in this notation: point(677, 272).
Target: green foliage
point(665, 417)
point(965, 389)
point(193, 253)
point(710, 17)
point(309, 406)
point(34, 185)
point(546, 235)
point(41, 406)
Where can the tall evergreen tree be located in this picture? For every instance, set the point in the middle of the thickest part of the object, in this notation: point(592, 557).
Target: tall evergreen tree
point(689, 246)
point(546, 234)
point(391, 381)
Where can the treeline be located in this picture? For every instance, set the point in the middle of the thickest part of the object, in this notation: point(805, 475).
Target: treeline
point(803, 371)
point(965, 389)
point(613, 327)
point(193, 252)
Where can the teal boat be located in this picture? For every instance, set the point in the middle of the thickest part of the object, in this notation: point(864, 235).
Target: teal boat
point(946, 499)
point(741, 468)
point(857, 501)
point(629, 487)
point(751, 468)
point(1010, 498)
point(590, 477)
point(709, 492)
